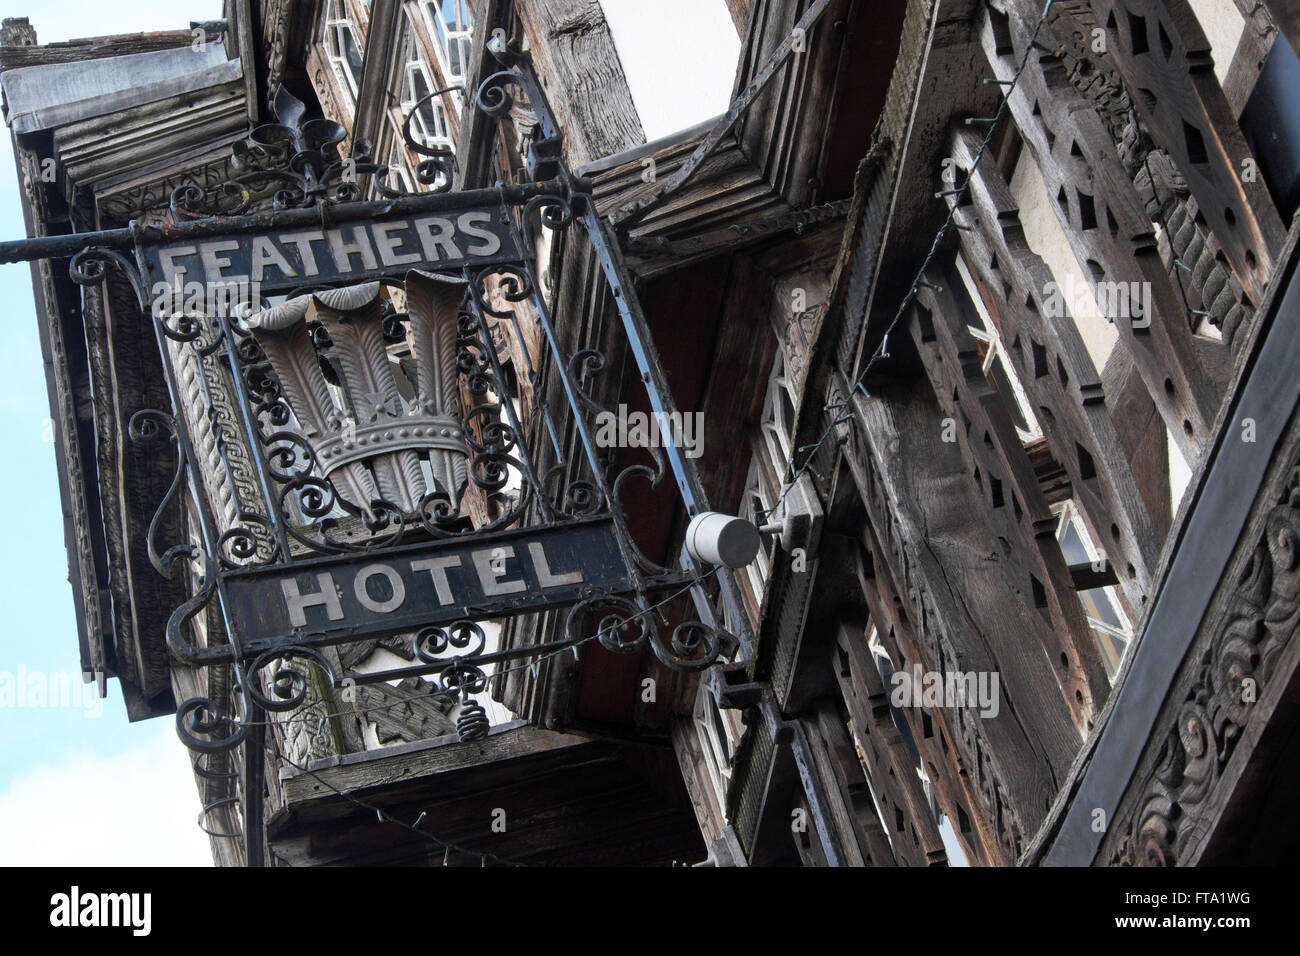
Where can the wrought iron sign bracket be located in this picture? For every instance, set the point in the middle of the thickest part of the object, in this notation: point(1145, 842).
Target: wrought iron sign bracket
point(354, 440)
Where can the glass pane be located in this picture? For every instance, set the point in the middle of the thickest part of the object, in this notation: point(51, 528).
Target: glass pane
point(1097, 602)
point(1072, 545)
point(435, 17)
point(352, 54)
point(453, 15)
point(454, 59)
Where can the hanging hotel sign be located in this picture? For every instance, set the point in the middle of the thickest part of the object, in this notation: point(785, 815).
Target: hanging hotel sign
point(408, 588)
point(279, 260)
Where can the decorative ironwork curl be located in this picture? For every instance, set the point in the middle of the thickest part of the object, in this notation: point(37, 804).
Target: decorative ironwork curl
point(200, 717)
point(514, 286)
point(464, 678)
point(89, 266)
point(584, 363)
point(183, 650)
point(553, 212)
point(471, 721)
point(208, 808)
point(492, 96)
point(429, 643)
point(288, 686)
point(242, 546)
point(693, 646)
point(620, 615)
point(438, 169)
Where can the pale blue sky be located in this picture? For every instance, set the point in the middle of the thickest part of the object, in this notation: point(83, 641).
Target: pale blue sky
point(44, 751)
point(70, 784)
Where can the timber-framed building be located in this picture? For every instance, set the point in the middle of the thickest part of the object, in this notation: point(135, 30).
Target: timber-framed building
point(987, 309)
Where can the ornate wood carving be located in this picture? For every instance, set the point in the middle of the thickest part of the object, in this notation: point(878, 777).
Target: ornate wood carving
point(1058, 375)
point(1110, 233)
point(1164, 56)
point(1204, 275)
point(1229, 668)
point(405, 712)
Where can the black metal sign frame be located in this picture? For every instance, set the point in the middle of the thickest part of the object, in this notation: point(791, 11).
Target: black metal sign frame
point(284, 587)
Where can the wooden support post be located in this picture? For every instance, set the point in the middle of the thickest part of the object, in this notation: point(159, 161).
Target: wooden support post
point(1059, 376)
point(915, 490)
point(1110, 233)
point(1017, 513)
point(891, 772)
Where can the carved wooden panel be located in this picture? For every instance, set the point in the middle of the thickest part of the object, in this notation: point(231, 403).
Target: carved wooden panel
point(1232, 678)
point(1058, 375)
point(1165, 58)
point(1018, 515)
point(1192, 254)
point(1109, 231)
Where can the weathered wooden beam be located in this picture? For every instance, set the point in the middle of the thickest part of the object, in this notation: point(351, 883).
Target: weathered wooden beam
point(855, 813)
point(1164, 57)
point(1058, 375)
point(962, 788)
point(914, 487)
point(891, 773)
point(1017, 513)
point(572, 47)
point(1110, 233)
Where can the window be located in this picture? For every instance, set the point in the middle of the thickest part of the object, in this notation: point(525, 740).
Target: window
point(759, 499)
point(769, 468)
point(778, 413)
point(449, 24)
point(718, 736)
point(343, 49)
point(1110, 625)
point(429, 120)
point(998, 369)
point(399, 176)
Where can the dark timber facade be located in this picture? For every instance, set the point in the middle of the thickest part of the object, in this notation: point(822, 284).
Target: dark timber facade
point(990, 315)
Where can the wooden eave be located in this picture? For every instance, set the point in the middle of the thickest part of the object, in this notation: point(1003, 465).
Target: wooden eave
point(566, 800)
point(116, 157)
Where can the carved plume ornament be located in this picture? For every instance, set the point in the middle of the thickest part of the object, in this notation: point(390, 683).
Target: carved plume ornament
point(373, 442)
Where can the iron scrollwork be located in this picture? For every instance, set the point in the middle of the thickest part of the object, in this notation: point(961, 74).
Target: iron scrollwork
point(397, 411)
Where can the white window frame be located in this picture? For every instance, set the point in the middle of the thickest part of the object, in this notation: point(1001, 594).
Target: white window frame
point(413, 65)
point(717, 748)
point(444, 35)
point(336, 22)
point(987, 332)
point(1106, 635)
point(397, 166)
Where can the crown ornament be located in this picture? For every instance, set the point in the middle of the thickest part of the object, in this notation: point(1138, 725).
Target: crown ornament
point(379, 430)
